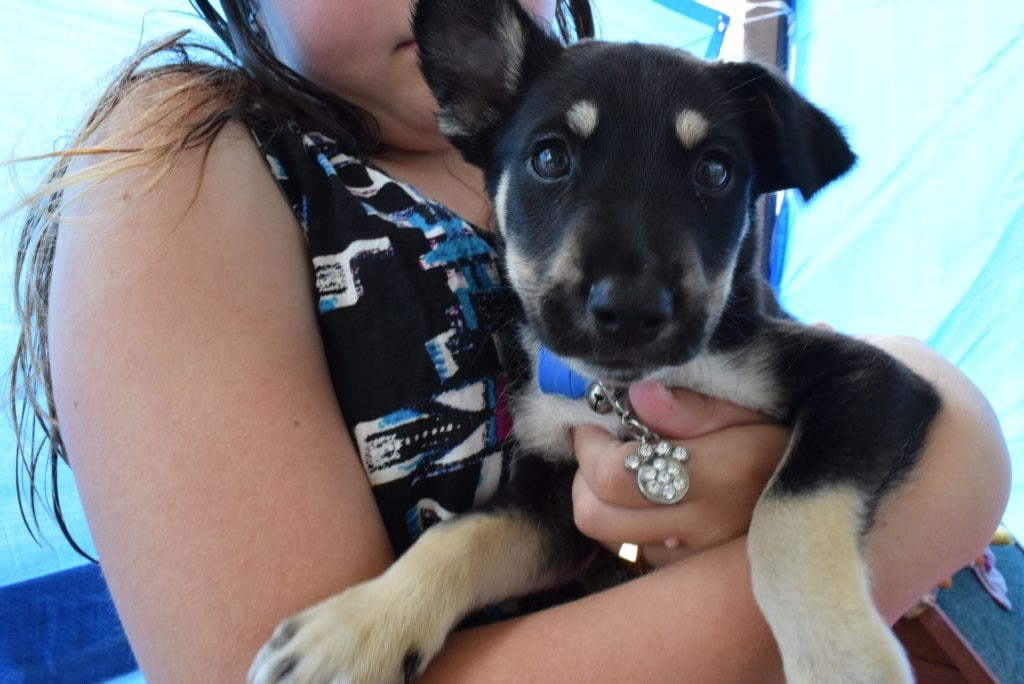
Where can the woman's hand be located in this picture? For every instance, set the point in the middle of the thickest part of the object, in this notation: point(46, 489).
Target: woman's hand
point(733, 453)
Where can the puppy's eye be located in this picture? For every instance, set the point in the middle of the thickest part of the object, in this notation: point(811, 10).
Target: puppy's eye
point(712, 173)
point(551, 160)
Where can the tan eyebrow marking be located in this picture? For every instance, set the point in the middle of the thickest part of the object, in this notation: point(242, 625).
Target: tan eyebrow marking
point(582, 118)
point(691, 127)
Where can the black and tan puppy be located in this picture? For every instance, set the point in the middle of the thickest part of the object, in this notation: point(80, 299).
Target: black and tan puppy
point(622, 178)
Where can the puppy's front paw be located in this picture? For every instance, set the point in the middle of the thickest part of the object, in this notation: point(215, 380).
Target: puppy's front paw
point(869, 655)
point(368, 634)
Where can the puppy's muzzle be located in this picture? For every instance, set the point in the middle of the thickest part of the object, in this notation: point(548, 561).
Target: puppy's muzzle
point(629, 313)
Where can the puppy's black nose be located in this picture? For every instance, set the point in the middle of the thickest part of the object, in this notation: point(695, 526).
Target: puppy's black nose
point(629, 312)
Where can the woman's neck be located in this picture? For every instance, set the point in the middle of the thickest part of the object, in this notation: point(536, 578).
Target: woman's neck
point(442, 175)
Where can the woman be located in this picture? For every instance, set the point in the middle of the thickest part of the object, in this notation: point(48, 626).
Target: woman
point(208, 321)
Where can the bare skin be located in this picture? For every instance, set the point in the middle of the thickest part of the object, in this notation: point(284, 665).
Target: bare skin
point(224, 493)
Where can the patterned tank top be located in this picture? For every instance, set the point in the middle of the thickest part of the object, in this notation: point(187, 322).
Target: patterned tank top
point(410, 298)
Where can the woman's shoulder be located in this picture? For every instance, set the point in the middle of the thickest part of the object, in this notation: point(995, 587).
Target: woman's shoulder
point(154, 139)
point(152, 175)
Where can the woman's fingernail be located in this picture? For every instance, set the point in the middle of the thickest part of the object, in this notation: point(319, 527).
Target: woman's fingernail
point(651, 391)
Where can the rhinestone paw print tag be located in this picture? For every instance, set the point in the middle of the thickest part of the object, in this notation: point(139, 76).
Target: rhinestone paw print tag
point(660, 473)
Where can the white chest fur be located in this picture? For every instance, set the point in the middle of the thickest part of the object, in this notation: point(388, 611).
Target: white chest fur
point(542, 421)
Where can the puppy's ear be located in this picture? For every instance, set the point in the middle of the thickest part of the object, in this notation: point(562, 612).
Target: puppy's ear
point(795, 144)
point(476, 56)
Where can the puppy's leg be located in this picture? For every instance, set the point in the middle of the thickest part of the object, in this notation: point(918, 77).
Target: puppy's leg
point(393, 625)
point(374, 630)
point(812, 585)
point(860, 422)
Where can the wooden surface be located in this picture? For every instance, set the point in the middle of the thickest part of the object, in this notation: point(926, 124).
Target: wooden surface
point(938, 651)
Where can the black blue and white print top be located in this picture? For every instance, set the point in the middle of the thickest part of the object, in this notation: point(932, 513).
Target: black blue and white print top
point(410, 298)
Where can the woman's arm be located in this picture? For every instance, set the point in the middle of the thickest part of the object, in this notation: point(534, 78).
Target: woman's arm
point(690, 621)
point(946, 514)
point(217, 475)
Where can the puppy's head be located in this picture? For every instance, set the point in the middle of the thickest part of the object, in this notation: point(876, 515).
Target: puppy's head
point(621, 174)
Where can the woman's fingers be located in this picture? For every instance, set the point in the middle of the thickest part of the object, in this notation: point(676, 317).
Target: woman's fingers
point(600, 457)
point(609, 524)
point(728, 471)
point(733, 452)
point(730, 461)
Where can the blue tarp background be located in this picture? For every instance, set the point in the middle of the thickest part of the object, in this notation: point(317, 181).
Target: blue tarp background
point(925, 237)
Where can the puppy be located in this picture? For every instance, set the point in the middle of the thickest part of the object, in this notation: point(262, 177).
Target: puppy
point(622, 178)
